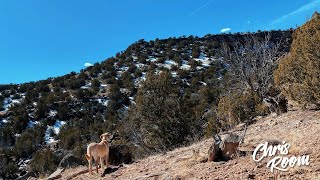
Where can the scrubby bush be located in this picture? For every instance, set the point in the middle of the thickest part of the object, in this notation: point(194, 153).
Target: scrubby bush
point(7, 168)
point(95, 85)
point(44, 162)
point(42, 109)
point(195, 52)
point(63, 111)
point(69, 136)
point(28, 142)
point(234, 108)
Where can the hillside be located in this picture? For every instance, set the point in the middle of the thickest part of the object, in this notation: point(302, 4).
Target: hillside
point(65, 113)
point(299, 128)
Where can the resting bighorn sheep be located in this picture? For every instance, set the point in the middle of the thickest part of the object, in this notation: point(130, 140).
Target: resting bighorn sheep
point(227, 148)
point(99, 151)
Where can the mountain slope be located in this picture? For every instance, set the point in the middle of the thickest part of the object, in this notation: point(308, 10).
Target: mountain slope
point(299, 128)
point(66, 113)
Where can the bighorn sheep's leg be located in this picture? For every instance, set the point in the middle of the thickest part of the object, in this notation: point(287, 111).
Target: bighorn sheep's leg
point(90, 165)
point(97, 166)
point(101, 162)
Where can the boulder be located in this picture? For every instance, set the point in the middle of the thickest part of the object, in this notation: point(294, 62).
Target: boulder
point(56, 174)
point(70, 160)
point(27, 175)
point(120, 154)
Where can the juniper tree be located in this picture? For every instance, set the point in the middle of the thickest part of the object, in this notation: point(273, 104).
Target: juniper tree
point(298, 74)
point(159, 120)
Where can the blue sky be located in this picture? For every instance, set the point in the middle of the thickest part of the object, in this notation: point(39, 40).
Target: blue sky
point(42, 38)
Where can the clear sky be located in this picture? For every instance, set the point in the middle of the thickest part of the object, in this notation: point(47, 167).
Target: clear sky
point(48, 38)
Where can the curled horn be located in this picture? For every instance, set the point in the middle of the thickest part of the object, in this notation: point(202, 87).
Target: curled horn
point(217, 139)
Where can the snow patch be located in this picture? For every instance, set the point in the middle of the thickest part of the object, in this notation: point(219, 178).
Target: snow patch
point(4, 121)
point(103, 102)
point(55, 129)
point(185, 67)
point(174, 74)
point(52, 113)
point(9, 102)
point(167, 64)
point(32, 123)
point(152, 59)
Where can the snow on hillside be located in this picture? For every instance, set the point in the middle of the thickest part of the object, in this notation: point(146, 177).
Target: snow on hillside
point(32, 123)
point(103, 101)
point(152, 59)
point(167, 64)
point(53, 129)
point(185, 65)
point(10, 102)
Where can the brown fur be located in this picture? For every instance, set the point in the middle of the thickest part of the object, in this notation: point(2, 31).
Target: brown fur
point(226, 149)
point(213, 151)
point(230, 149)
point(99, 151)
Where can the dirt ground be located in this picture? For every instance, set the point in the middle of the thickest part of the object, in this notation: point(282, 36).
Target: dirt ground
point(299, 128)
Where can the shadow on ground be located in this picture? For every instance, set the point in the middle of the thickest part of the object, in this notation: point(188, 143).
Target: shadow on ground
point(110, 170)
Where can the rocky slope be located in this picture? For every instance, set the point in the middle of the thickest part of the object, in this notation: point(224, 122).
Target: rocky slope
point(298, 128)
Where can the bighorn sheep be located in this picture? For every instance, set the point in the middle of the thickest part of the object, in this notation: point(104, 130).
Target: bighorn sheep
point(99, 151)
point(227, 148)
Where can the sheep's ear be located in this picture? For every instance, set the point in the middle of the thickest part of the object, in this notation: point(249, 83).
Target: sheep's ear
point(101, 137)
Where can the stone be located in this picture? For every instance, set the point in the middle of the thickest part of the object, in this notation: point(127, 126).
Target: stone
point(70, 160)
point(56, 174)
point(119, 154)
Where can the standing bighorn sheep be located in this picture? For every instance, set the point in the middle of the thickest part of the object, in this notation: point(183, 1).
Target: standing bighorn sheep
point(99, 151)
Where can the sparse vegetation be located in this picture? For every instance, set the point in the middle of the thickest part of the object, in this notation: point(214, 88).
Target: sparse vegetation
point(160, 94)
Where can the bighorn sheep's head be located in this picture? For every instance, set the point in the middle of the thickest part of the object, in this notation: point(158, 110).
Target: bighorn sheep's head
point(105, 137)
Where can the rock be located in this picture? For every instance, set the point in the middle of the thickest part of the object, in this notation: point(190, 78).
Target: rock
point(251, 176)
point(27, 175)
point(70, 160)
point(312, 107)
point(231, 137)
point(56, 174)
point(32, 178)
point(239, 127)
point(293, 105)
point(120, 154)
point(23, 172)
